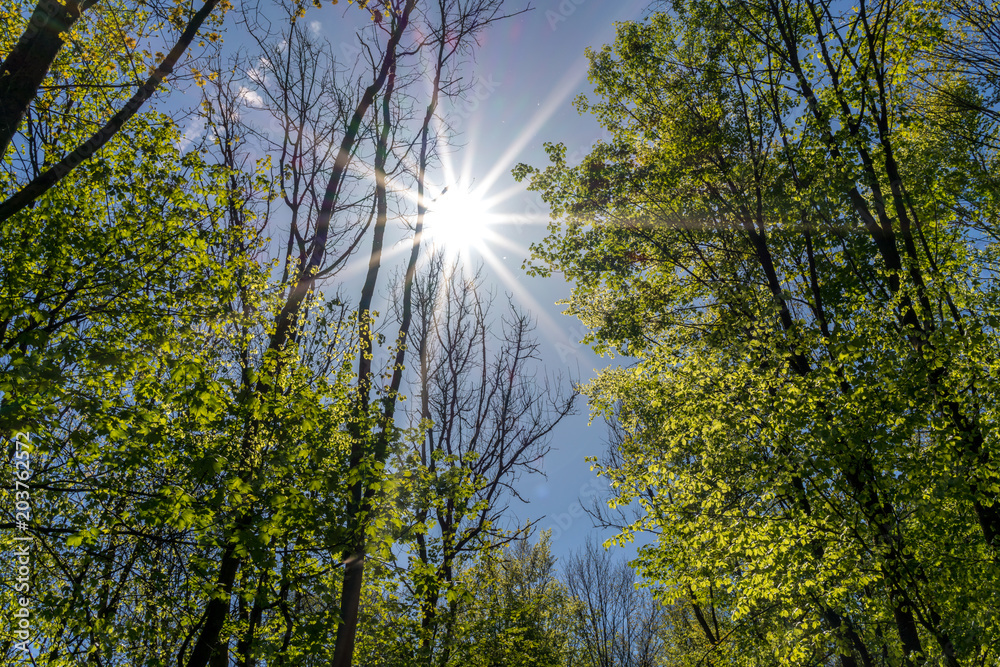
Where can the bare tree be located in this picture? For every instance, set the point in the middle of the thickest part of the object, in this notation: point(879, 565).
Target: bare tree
point(408, 44)
point(619, 624)
point(487, 416)
point(450, 28)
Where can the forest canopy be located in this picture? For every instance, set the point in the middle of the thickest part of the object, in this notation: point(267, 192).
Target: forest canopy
point(791, 238)
point(221, 450)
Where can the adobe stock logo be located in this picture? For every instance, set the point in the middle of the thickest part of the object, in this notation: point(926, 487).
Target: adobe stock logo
point(479, 92)
point(564, 11)
point(561, 523)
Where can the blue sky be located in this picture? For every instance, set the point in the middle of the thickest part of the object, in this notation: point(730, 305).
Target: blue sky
point(530, 68)
point(522, 79)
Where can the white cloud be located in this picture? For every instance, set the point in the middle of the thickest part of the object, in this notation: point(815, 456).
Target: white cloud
point(258, 74)
point(249, 97)
point(192, 132)
point(315, 27)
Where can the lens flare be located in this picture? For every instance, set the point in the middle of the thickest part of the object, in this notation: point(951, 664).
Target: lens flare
point(458, 221)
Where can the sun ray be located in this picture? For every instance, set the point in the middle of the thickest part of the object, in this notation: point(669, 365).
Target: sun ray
point(555, 102)
point(546, 322)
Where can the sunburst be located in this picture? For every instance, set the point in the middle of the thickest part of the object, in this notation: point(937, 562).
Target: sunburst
point(460, 221)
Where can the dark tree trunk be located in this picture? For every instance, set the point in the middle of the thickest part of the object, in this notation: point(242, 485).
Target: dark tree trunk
point(216, 612)
point(26, 66)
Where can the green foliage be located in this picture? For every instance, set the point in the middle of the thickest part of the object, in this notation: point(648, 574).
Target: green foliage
point(795, 244)
point(507, 607)
point(132, 315)
point(520, 615)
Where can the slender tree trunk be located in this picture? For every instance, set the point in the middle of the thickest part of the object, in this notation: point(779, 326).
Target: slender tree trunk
point(354, 572)
point(360, 456)
point(244, 649)
point(26, 66)
point(216, 612)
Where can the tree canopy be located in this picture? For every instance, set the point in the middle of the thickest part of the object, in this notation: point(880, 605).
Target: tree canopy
point(792, 236)
point(210, 415)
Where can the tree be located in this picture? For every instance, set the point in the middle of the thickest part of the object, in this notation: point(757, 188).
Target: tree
point(522, 615)
point(796, 252)
point(202, 439)
point(111, 304)
point(619, 624)
point(35, 56)
point(370, 426)
point(482, 417)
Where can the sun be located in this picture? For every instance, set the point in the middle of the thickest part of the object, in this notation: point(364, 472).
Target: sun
point(458, 221)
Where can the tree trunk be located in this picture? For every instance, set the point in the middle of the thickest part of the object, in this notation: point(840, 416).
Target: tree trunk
point(26, 66)
point(354, 571)
point(216, 612)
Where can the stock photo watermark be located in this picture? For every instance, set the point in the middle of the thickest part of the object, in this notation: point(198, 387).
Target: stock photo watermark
point(479, 92)
point(561, 523)
point(562, 12)
point(23, 542)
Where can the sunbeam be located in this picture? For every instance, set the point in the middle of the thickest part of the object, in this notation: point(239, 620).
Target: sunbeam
point(459, 220)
